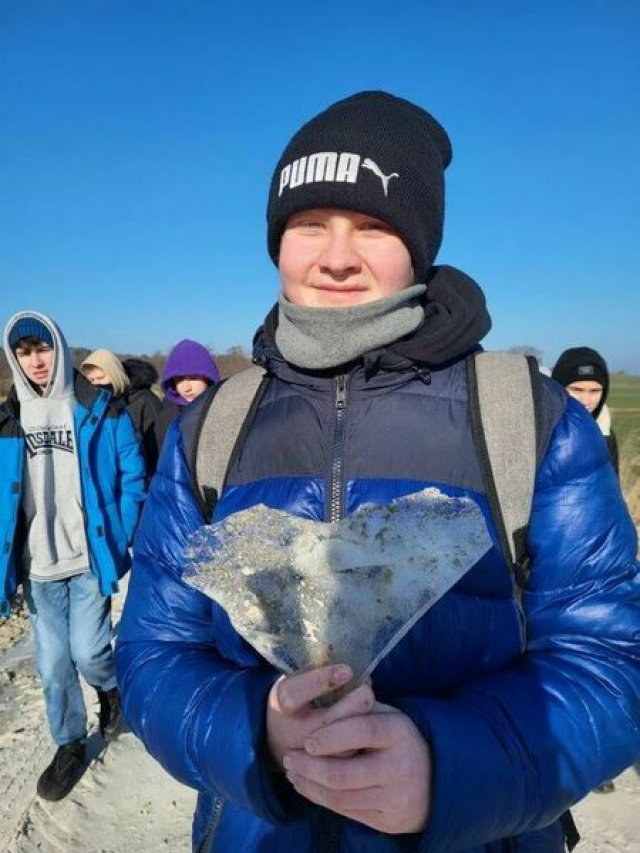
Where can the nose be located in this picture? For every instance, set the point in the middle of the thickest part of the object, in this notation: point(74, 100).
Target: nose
point(339, 257)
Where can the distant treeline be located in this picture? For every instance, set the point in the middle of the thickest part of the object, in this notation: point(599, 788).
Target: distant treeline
point(229, 362)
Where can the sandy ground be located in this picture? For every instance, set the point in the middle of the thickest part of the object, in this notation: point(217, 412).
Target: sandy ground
point(126, 802)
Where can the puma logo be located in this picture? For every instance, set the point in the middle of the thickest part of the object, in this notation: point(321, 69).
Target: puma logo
point(369, 164)
point(340, 168)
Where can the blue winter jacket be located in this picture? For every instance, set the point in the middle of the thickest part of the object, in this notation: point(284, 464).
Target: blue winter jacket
point(525, 710)
point(112, 478)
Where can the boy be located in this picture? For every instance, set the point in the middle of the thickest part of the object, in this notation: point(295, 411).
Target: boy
point(496, 711)
point(73, 480)
point(585, 375)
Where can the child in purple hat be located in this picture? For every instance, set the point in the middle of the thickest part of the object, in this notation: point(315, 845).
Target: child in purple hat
point(189, 370)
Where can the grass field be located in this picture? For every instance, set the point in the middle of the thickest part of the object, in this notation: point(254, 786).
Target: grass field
point(624, 402)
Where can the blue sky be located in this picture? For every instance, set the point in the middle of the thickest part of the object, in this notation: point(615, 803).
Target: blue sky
point(138, 137)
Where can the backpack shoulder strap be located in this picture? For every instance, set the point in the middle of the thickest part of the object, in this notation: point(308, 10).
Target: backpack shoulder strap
point(504, 396)
point(221, 431)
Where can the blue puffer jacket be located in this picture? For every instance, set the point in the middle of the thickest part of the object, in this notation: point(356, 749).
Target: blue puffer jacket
point(112, 477)
point(524, 713)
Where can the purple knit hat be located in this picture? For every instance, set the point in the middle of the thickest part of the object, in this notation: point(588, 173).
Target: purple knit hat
point(188, 358)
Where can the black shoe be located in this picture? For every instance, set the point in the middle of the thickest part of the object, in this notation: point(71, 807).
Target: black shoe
point(63, 772)
point(606, 788)
point(111, 721)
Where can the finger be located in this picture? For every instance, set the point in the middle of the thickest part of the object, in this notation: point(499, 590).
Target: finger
point(341, 774)
point(381, 807)
point(358, 701)
point(363, 800)
point(295, 692)
point(381, 708)
point(366, 731)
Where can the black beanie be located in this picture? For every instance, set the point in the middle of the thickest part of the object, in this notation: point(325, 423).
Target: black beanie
point(582, 364)
point(373, 153)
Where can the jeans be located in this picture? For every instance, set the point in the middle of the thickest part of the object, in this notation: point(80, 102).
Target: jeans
point(71, 624)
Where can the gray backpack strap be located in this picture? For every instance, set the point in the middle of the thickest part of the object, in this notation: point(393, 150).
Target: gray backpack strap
point(504, 392)
point(222, 431)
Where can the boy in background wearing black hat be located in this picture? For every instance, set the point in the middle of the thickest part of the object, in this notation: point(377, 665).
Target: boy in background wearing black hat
point(585, 375)
point(496, 711)
point(72, 480)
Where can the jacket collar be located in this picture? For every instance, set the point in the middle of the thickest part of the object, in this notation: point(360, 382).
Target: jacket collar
point(456, 320)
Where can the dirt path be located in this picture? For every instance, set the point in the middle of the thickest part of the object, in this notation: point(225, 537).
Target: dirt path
point(610, 823)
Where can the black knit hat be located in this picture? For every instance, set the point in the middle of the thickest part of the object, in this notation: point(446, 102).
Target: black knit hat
point(582, 364)
point(373, 153)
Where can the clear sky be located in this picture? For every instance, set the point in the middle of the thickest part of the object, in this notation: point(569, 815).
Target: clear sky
point(138, 137)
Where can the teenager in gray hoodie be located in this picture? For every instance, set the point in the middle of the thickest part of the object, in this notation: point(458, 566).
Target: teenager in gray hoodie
point(73, 475)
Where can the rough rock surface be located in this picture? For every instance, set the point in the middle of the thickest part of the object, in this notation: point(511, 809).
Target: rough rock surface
point(305, 593)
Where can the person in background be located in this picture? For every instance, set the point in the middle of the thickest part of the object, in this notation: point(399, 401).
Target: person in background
point(132, 387)
point(71, 485)
point(189, 370)
point(104, 368)
point(584, 374)
point(501, 706)
point(144, 406)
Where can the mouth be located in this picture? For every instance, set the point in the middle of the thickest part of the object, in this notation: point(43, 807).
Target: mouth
point(340, 288)
point(339, 294)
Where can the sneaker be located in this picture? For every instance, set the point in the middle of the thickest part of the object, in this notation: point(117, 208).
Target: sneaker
point(606, 788)
point(111, 721)
point(63, 772)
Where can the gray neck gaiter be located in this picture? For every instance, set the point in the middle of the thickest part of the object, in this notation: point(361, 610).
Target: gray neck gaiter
point(319, 338)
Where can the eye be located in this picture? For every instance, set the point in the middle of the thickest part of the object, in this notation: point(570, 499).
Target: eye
point(376, 226)
point(308, 224)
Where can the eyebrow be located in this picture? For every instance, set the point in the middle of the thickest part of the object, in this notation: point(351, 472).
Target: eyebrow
point(39, 348)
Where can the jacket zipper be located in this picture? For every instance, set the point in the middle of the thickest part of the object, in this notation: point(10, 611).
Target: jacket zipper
point(336, 490)
point(330, 820)
point(212, 826)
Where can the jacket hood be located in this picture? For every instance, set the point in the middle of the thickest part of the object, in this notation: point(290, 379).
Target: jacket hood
point(61, 379)
point(188, 358)
point(141, 373)
point(456, 320)
point(111, 365)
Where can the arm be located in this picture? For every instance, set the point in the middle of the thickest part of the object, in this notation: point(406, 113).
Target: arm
point(612, 443)
point(132, 473)
point(192, 690)
point(149, 412)
point(514, 750)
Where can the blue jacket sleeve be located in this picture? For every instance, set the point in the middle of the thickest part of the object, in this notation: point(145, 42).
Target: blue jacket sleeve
point(199, 714)
point(514, 750)
point(132, 473)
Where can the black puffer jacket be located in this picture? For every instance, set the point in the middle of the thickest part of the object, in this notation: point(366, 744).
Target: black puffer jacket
point(168, 413)
point(143, 406)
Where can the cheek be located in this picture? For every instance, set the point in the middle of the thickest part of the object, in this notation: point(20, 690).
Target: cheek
point(293, 262)
point(394, 272)
point(390, 261)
